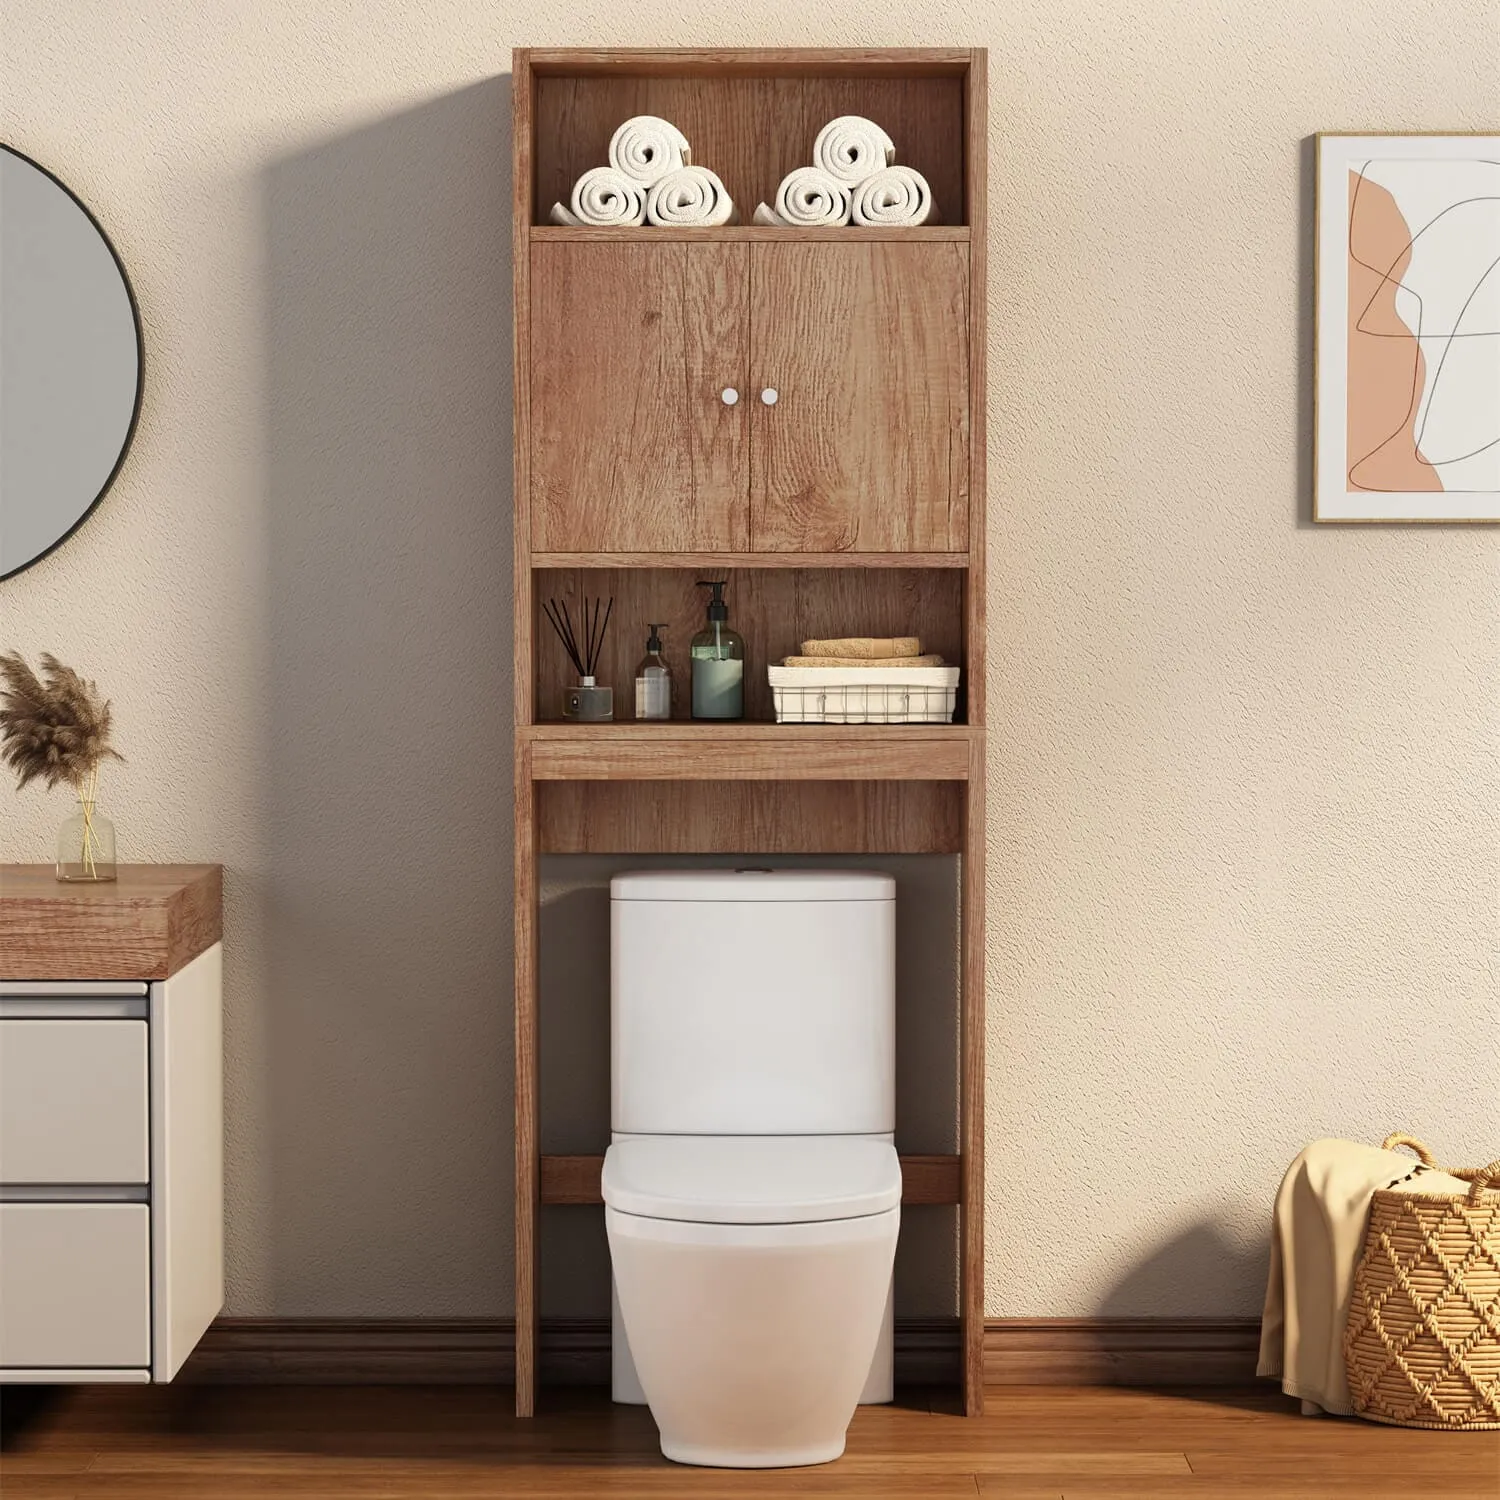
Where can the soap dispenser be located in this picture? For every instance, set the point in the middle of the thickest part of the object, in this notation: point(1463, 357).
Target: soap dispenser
point(653, 680)
point(718, 661)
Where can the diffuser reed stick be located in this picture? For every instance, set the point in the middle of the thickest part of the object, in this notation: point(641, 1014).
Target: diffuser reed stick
point(595, 622)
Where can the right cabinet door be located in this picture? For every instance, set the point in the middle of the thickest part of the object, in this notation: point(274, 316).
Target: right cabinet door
point(860, 396)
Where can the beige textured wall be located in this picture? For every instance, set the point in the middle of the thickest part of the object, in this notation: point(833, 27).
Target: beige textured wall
point(1245, 779)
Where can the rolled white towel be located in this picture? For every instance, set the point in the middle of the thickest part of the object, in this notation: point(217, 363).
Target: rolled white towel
point(851, 147)
point(646, 147)
point(603, 199)
point(689, 197)
point(894, 197)
point(807, 198)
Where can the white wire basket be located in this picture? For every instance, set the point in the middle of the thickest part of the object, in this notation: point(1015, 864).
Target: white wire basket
point(864, 695)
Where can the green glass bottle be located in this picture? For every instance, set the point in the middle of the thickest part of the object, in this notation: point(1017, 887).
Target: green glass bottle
point(718, 662)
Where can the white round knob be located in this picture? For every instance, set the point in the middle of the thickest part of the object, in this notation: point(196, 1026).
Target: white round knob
point(729, 395)
point(769, 395)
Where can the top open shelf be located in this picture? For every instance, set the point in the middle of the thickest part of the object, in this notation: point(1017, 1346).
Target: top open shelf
point(751, 116)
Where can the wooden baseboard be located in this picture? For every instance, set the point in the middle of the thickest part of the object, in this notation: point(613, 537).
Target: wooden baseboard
point(575, 1351)
point(1121, 1351)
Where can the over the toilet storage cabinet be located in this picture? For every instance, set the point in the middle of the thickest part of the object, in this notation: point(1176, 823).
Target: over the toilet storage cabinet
point(111, 1122)
point(840, 486)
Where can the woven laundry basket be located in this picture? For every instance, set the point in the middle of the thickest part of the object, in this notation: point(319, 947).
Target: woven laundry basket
point(1422, 1345)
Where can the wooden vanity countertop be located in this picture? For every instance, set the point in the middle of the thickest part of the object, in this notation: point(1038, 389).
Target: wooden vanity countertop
point(146, 925)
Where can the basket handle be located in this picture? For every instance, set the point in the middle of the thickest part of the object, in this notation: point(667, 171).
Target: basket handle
point(1479, 1180)
point(1423, 1154)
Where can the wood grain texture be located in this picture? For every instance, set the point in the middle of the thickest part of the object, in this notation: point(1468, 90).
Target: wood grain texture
point(410, 1443)
point(972, 1041)
point(526, 1105)
point(867, 447)
point(1121, 1351)
point(575, 1179)
point(792, 62)
point(749, 234)
point(522, 173)
point(731, 561)
point(775, 609)
point(748, 752)
point(632, 446)
point(148, 924)
point(750, 130)
point(976, 107)
point(749, 817)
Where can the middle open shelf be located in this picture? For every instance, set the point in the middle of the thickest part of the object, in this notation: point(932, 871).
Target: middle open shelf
point(775, 609)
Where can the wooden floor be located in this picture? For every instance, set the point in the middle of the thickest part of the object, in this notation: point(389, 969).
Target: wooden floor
point(235, 1443)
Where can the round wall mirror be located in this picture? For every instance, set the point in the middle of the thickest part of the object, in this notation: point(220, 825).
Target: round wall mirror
point(70, 362)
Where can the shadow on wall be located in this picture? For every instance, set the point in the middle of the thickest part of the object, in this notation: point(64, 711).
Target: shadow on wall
point(388, 782)
point(1195, 1275)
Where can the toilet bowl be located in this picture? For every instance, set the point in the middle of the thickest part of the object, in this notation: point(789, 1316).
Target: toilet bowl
point(752, 1274)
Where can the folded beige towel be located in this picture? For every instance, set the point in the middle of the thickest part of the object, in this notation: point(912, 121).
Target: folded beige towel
point(867, 646)
point(1322, 1213)
point(863, 661)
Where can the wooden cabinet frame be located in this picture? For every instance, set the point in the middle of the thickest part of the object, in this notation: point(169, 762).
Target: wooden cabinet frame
point(833, 789)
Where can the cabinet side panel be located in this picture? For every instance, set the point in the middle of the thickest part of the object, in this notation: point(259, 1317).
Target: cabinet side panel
point(187, 1158)
point(971, 1087)
point(976, 157)
point(522, 173)
point(526, 1084)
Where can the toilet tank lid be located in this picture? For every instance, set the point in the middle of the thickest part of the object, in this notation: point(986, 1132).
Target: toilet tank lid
point(752, 884)
point(752, 1179)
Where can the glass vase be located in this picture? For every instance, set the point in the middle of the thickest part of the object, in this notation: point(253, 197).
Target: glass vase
point(86, 844)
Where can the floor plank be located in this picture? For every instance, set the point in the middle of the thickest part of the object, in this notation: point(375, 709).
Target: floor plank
point(464, 1442)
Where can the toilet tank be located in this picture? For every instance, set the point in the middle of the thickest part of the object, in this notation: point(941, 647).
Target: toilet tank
point(752, 1002)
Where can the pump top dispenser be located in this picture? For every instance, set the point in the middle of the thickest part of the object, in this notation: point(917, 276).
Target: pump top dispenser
point(653, 680)
point(718, 661)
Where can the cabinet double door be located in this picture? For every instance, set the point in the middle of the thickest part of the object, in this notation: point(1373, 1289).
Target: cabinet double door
point(755, 396)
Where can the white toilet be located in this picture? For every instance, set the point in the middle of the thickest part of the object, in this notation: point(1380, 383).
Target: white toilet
point(752, 1190)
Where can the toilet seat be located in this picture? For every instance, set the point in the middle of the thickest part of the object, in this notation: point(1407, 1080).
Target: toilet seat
point(752, 1179)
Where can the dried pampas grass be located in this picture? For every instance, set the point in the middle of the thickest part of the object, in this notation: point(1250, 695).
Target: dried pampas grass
point(55, 727)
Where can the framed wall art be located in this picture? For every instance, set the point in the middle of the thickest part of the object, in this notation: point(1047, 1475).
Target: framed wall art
point(1407, 328)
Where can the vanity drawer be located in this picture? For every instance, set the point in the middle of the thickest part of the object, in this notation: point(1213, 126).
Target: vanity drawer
point(75, 1285)
point(73, 1102)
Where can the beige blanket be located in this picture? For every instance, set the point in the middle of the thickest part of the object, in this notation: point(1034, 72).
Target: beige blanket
point(1322, 1212)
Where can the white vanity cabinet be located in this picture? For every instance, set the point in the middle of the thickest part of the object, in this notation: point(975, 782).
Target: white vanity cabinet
point(111, 1137)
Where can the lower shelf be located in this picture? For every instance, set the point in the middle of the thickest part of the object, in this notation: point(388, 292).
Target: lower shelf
point(924, 1179)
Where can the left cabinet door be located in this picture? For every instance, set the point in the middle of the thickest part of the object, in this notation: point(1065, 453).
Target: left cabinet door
point(633, 445)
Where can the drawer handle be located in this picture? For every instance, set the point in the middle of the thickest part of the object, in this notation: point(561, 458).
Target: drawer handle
point(769, 396)
point(729, 396)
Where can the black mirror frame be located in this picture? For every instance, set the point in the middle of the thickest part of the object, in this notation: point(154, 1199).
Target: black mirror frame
point(140, 359)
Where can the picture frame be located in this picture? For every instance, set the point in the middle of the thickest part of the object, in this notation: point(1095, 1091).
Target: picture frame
point(1406, 359)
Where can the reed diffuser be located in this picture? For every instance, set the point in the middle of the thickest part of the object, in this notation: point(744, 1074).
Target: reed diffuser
point(588, 703)
point(56, 729)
